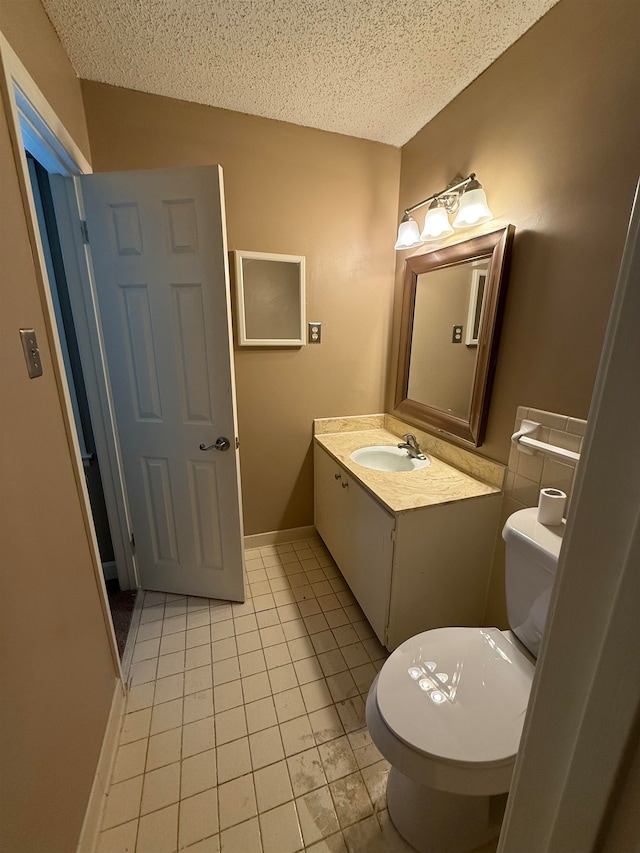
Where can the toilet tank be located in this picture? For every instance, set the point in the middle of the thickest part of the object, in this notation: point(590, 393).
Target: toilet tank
point(531, 561)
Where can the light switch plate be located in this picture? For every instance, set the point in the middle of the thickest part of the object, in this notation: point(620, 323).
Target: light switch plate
point(31, 352)
point(315, 333)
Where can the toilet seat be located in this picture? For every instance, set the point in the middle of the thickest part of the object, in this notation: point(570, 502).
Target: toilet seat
point(457, 696)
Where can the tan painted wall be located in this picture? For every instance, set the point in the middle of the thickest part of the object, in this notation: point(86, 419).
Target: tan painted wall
point(57, 676)
point(552, 129)
point(291, 190)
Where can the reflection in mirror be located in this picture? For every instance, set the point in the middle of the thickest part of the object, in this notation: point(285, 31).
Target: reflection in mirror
point(451, 315)
point(442, 366)
point(476, 300)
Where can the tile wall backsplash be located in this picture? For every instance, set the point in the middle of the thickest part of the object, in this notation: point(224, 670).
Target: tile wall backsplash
point(527, 474)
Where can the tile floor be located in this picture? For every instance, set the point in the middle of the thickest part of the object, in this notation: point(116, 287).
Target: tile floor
point(245, 728)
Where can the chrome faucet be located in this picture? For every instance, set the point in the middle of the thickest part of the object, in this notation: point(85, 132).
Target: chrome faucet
point(412, 447)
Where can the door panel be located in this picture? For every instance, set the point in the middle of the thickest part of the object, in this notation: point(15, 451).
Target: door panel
point(191, 351)
point(137, 334)
point(158, 250)
point(205, 505)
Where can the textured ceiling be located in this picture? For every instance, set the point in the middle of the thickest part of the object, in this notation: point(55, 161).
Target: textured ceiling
point(376, 69)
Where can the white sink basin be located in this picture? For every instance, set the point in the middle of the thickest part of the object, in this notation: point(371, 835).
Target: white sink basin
point(385, 457)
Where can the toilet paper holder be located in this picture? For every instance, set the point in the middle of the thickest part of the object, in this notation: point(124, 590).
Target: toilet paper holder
point(526, 442)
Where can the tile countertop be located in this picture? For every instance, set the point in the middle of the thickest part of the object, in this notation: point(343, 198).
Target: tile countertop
point(401, 491)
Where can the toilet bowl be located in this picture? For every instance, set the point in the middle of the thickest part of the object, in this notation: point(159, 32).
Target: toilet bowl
point(448, 706)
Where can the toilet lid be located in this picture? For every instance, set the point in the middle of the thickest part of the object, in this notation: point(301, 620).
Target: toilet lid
point(457, 694)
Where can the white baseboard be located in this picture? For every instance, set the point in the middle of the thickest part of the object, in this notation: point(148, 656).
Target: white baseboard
point(90, 833)
point(278, 537)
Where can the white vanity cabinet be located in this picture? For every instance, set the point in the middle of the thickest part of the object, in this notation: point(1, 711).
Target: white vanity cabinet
point(413, 570)
point(358, 532)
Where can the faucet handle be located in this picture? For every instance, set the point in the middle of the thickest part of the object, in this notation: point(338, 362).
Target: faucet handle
point(412, 446)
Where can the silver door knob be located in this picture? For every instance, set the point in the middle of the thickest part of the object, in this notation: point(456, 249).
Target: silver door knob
point(221, 443)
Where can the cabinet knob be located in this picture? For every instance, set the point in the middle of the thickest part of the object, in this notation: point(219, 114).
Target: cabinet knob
point(345, 485)
point(338, 476)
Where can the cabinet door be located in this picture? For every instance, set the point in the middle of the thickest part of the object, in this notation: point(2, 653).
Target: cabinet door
point(358, 533)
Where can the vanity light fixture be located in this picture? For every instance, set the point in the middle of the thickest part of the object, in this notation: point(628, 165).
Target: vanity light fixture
point(463, 196)
point(436, 222)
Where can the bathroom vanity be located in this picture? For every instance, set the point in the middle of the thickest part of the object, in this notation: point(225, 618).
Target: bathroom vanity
point(415, 547)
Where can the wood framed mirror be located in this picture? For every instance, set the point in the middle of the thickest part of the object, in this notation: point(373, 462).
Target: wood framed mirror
point(452, 307)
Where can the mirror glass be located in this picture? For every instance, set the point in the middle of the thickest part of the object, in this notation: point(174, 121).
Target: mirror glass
point(452, 304)
point(270, 299)
point(444, 339)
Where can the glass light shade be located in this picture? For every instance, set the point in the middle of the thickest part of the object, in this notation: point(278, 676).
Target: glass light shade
point(408, 234)
point(473, 207)
point(436, 223)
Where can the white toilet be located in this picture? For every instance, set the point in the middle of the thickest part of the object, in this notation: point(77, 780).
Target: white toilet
point(447, 708)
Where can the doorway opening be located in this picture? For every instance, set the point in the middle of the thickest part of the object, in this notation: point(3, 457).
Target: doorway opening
point(121, 601)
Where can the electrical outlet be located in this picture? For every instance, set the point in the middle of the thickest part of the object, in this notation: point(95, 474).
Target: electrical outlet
point(315, 333)
point(456, 337)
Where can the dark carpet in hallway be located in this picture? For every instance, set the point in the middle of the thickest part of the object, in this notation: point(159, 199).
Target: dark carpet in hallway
point(121, 604)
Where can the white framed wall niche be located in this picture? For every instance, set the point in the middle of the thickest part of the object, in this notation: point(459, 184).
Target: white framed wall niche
point(270, 299)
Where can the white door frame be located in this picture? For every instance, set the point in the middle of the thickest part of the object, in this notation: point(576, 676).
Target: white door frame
point(29, 113)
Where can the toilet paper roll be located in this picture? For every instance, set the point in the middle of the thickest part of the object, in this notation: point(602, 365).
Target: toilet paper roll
point(551, 506)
